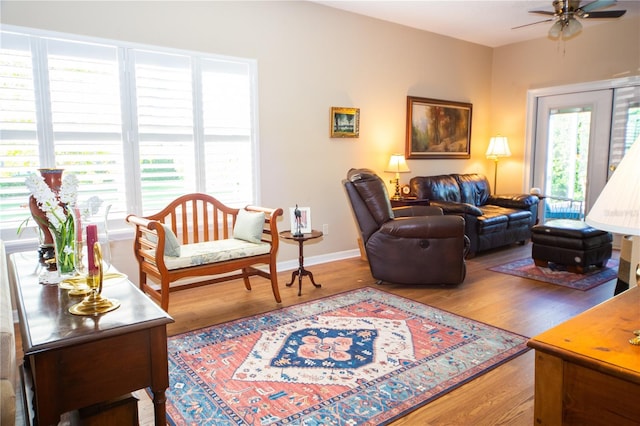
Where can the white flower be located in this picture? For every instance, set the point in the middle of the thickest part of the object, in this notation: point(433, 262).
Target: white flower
point(47, 200)
point(69, 189)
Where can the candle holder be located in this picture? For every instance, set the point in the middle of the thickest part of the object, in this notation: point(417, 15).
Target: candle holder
point(95, 303)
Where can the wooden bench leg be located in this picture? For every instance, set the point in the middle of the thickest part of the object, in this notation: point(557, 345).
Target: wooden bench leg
point(274, 281)
point(245, 277)
point(164, 295)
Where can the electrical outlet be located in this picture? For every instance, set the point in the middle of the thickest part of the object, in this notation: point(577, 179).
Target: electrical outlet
point(325, 229)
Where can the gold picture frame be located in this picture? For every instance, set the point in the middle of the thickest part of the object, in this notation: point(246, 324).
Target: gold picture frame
point(438, 129)
point(345, 122)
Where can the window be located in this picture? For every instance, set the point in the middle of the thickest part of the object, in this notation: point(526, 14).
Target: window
point(137, 125)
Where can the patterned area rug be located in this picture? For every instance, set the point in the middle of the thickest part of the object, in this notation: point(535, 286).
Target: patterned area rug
point(558, 274)
point(364, 357)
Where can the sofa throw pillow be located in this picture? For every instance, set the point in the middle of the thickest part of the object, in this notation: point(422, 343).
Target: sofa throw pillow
point(249, 226)
point(171, 243)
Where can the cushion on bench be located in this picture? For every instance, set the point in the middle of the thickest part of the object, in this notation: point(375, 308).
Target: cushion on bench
point(214, 251)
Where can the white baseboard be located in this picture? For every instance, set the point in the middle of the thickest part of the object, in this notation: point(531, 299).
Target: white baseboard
point(289, 265)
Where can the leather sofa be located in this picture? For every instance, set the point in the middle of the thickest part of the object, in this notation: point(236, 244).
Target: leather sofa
point(405, 245)
point(490, 220)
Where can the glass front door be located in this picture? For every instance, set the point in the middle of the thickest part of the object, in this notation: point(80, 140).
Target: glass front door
point(572, 151)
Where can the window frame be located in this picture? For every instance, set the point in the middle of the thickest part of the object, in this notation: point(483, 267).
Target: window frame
point(130, 162)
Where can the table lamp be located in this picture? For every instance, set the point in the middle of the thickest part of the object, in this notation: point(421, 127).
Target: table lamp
point(617, 209)
point(498, 147)
point(397, 165)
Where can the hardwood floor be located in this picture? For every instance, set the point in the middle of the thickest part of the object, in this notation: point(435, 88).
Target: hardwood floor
point(503, 396)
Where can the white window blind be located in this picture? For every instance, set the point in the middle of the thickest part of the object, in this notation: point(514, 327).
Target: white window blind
point(165, 126)
point(83, 86)
point(19, 149)
point(138, 125)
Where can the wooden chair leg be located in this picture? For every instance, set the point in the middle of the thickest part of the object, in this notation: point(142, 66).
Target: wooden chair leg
point(245, 277)
point(164, 295)
point(274, 281)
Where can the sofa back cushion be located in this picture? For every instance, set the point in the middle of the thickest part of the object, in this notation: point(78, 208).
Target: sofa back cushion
point(474, 188)
point(442, 187)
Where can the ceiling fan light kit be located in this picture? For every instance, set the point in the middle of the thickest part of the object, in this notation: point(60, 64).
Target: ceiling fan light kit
point(566, 12)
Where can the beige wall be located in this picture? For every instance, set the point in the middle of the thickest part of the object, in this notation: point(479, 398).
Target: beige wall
point(311, 57)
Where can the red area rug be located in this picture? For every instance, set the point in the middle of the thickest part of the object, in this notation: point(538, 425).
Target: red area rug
point(363, 357)
point(558, 274)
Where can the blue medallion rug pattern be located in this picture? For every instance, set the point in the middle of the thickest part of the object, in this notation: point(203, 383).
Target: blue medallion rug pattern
point(363, 357)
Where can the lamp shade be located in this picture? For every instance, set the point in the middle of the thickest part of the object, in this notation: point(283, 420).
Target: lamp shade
point(556, 29)
point(498, 147)
point(617, 208)
point(573, 27)
point(397, 164)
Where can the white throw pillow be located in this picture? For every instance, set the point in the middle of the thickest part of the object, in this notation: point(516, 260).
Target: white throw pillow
point(249, 226)
point(171, 243)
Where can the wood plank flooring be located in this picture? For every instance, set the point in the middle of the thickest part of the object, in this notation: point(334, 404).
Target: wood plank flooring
point(503, 396)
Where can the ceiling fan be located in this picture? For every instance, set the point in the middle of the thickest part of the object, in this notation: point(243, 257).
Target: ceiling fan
point(565, 14)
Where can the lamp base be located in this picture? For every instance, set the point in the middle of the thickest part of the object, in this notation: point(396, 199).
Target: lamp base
point(94, 304)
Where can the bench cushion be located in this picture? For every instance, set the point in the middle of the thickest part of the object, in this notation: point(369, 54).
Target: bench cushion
point(215, 251)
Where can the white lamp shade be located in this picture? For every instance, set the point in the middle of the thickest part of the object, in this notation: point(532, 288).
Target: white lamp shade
point(617, 208)
point(498, 147)
point(397, 164)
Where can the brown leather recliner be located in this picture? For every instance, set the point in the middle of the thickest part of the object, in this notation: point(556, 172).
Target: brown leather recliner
point(406, 245)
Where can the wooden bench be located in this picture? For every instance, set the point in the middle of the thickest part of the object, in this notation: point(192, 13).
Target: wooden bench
point(196, 236)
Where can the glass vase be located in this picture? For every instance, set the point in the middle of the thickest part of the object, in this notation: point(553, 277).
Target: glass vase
point(91, 214)
point(65, 248)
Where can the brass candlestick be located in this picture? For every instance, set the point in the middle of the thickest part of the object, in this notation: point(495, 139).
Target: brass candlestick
point(95, 303)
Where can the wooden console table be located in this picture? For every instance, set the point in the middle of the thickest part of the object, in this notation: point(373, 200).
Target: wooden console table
point(77, 361)
point(586, 370)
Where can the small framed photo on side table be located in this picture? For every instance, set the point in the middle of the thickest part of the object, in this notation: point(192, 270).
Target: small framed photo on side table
point(305, 219)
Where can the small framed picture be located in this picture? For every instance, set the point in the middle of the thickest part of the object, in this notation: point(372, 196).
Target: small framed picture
point(304, 219)
point(345, 122)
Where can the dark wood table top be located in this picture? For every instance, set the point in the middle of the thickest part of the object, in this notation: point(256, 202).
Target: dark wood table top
point(46, 322)
point(307, 236)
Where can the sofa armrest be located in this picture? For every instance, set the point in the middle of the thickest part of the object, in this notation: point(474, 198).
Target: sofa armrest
point(425, 227)
point(451, 207)
point(410, 211)
point(514, 201)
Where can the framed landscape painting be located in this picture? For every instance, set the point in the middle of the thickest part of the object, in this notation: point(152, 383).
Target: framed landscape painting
point(345, 122)
point(438, 129)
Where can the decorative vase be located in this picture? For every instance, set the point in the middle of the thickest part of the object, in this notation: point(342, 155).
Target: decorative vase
point(57, 248)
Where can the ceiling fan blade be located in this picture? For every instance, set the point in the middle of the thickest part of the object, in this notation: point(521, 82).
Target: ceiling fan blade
point(533, 23)
point(605, 14)
point(598, 4)
point(542, 12)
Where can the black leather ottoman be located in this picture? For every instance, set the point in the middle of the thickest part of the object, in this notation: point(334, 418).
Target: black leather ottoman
point(572, 243)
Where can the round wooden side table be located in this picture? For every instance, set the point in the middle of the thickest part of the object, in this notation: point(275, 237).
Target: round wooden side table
point(301, 272)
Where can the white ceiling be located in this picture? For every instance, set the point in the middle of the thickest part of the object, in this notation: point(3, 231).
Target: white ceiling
point(486, 22)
